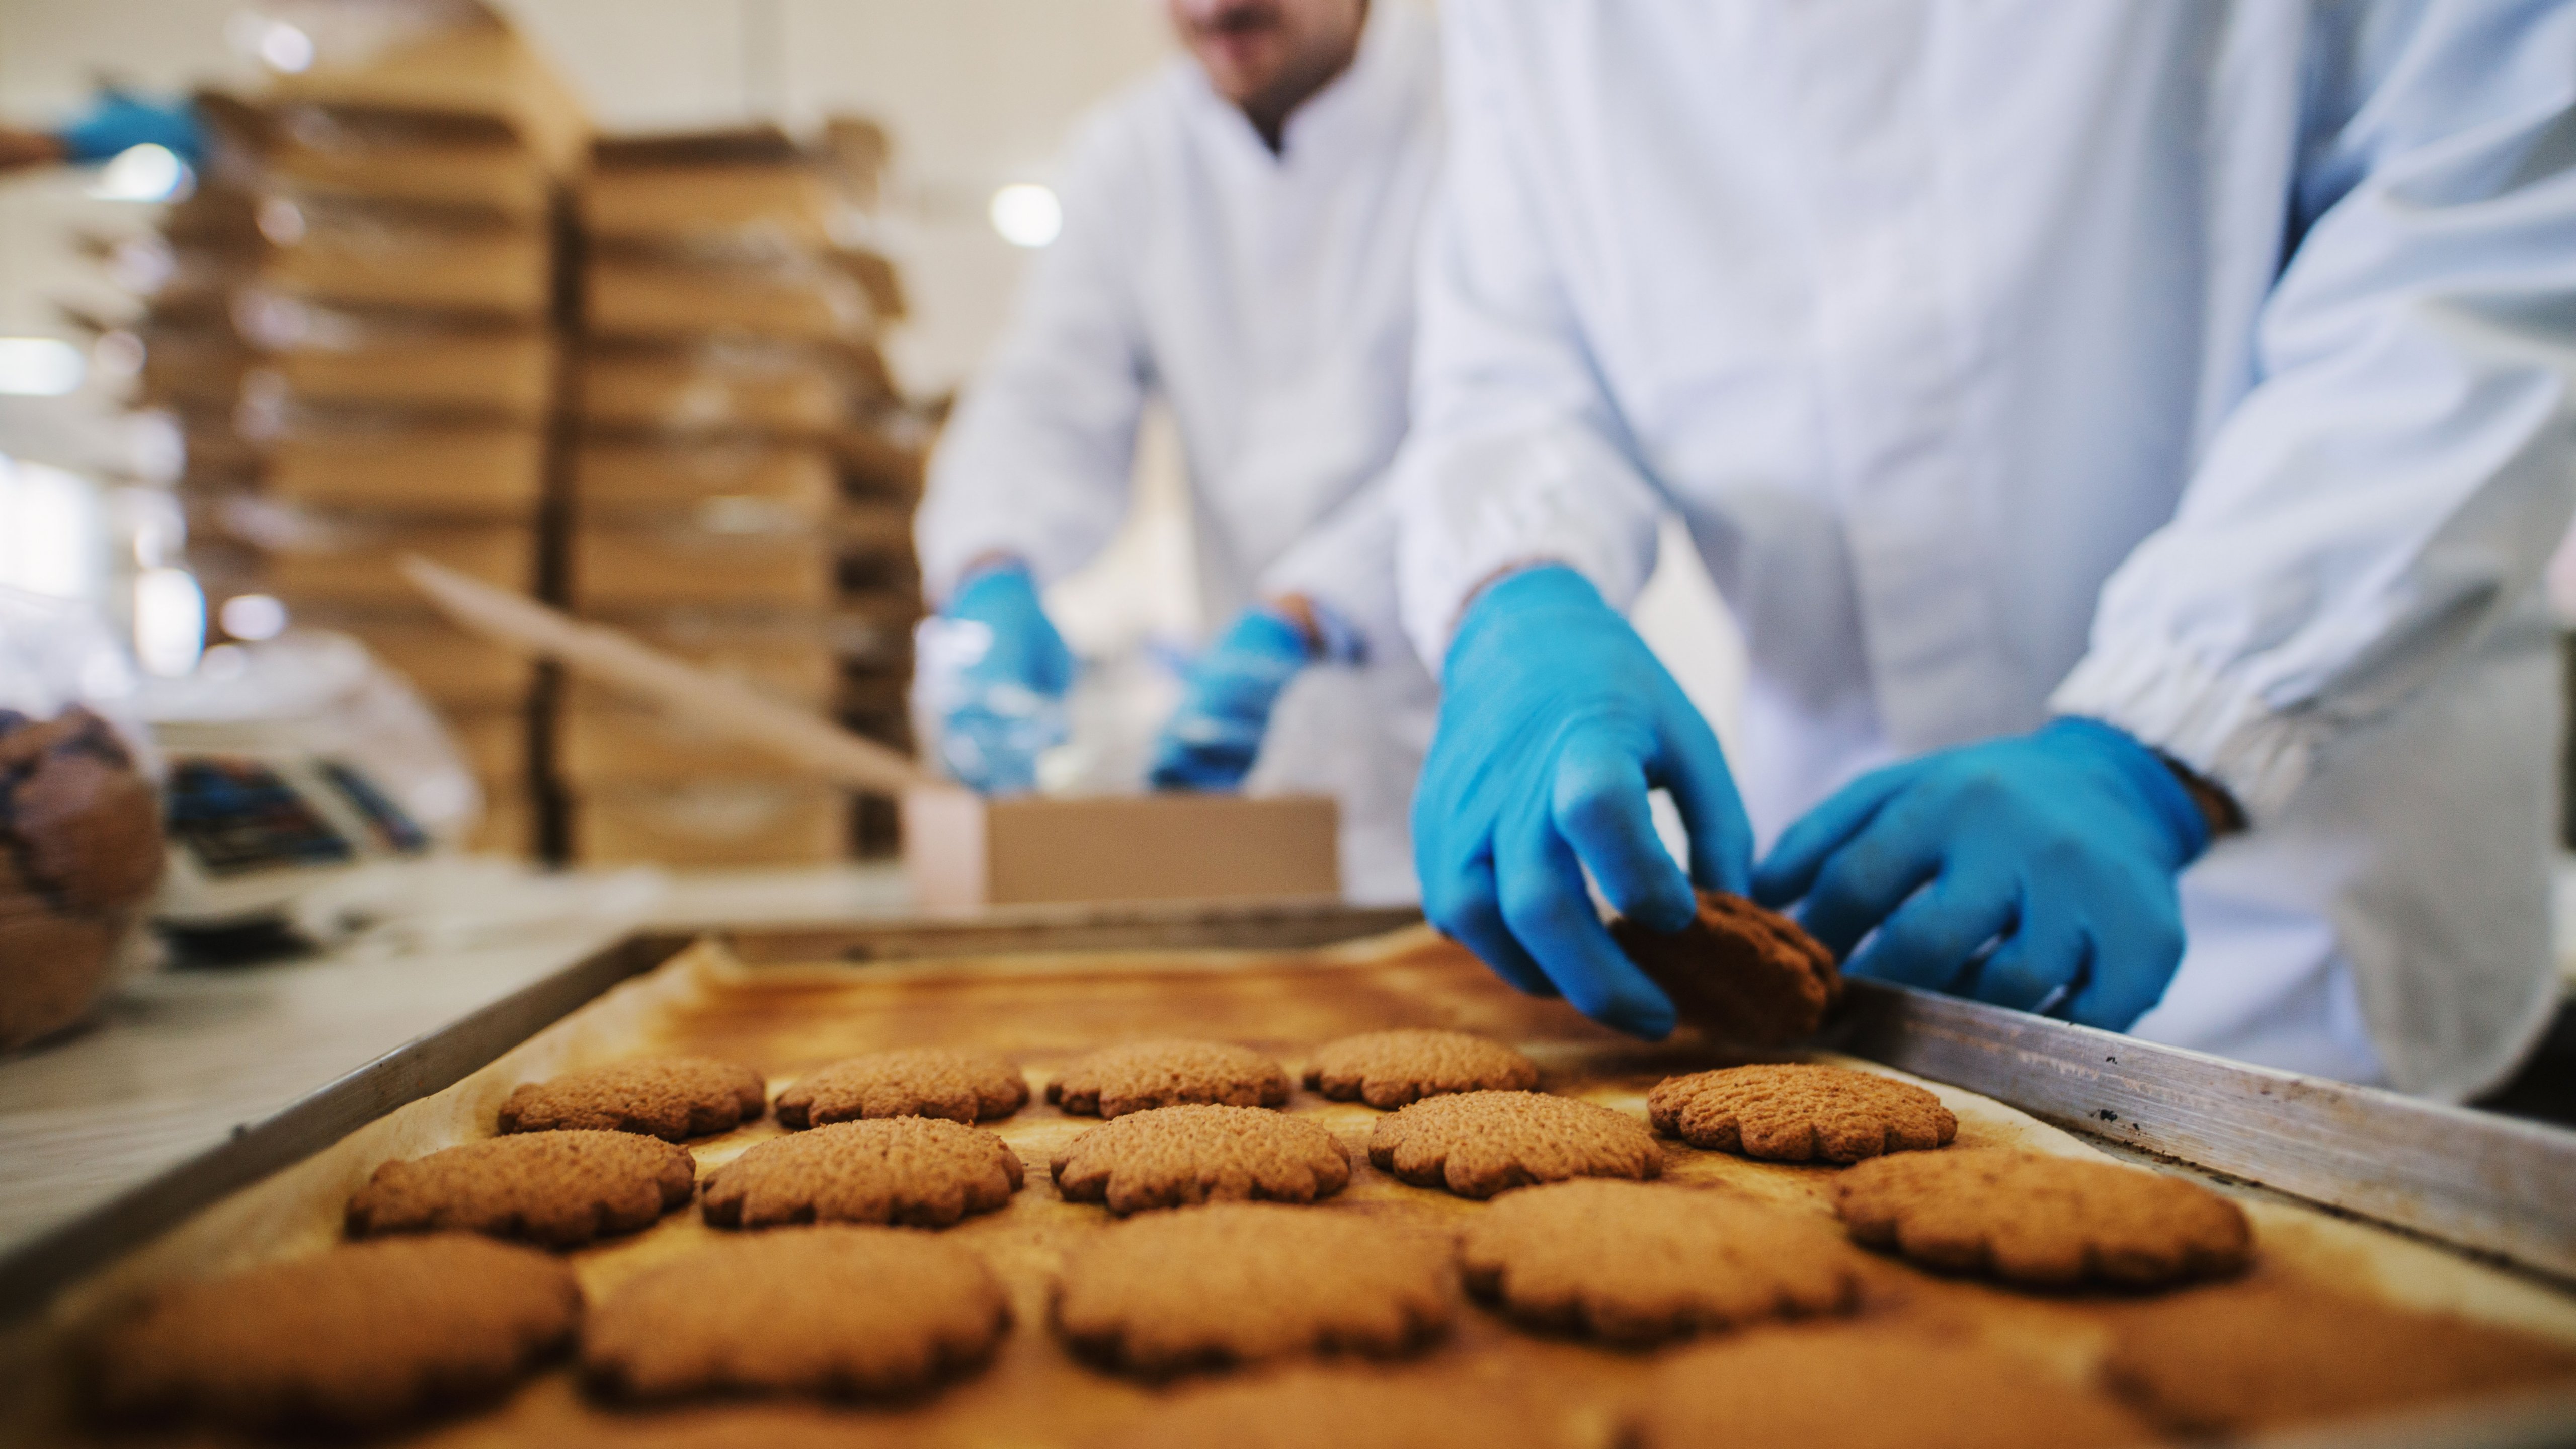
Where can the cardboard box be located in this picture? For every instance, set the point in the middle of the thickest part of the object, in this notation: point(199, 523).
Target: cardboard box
point(495, 746)
point(652, 295)
point(356, 562)
point(873, 528)
point(388, 261)
point(621, 568)
point(453, 670)
point(458, 161)
point(476, 69)
point(789, 657)
point(636, 192)
point(193, 367)
point(503, 373)
point(607, 746)
point(718, 484)
point(711, 823)
point(493, 472)
point(964, 852)
point(508, 826)
point(885, 462)
point(778, 389)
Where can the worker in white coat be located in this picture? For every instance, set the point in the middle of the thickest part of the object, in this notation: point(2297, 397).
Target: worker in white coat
point(1239, 237)
point(2130, 435)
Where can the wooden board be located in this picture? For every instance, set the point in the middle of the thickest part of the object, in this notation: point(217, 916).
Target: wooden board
point(1042, 1009)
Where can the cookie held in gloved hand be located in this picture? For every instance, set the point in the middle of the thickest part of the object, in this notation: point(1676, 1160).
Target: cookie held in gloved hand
point(1737, 971)
point(1556, 721)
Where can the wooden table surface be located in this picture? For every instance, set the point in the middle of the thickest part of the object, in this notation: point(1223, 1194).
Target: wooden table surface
point(177, 1060)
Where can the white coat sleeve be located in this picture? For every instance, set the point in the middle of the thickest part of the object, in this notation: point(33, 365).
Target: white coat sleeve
point(2391, 486)
point(1346, 562)
point(1039, 459)
point(1516, 454)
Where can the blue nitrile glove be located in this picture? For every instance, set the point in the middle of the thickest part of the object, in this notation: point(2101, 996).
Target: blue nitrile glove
point(1210, 741)
point(997, 671)
point(2064, 842)
point(1555, 722)
point(117, 122)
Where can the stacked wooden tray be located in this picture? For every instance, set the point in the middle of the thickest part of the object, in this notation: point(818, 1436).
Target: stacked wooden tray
point(2431, 1207)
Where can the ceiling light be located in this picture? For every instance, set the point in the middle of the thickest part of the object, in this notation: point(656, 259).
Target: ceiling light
point(283, 47)
point(38, 367)
point(1027, 214)
point(142, 173)
point(253, 616)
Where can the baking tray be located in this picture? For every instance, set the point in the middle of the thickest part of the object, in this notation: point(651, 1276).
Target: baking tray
point(2481, 1186)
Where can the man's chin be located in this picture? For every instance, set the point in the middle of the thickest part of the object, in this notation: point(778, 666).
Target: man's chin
point(1240, 69)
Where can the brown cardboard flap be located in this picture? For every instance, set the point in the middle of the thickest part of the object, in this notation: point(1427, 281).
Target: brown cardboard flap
point(712, 823)
point(963, 852)
point(452, 472)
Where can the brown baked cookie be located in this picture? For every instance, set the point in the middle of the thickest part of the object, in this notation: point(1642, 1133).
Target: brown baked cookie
point(561, 1189)
point(1142, 1075)
point(1477, 1144)
point(1244, 1282)
point(1635, 1264)
point(908, 1082)
point(1339, 1408)
point(739, 1424)
point(666, 1097)
point(1738, 971)
point(2043, 1221)
point(80, 852)
point(1860, 1386)
point(2245, 1358)
point(1792, 1112)
point(1387, 1069)
point(1177, 1156)
point(358, 1337)
point(837, 1310)
point(917, 1171)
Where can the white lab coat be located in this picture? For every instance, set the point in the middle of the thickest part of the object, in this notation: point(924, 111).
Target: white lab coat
point(1269, 299)
point(2202, 368)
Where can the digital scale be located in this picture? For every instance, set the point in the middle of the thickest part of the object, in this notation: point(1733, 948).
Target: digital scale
point(292, 764)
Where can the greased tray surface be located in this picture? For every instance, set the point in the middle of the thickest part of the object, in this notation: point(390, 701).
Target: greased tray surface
point(1041, 1010)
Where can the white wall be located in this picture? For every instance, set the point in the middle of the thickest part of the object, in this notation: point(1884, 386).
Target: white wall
point(975, 92)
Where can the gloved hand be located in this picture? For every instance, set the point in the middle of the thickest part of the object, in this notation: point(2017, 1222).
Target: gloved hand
point(996, 672)
point(1210, 741)
point(116, 121)
point(1555, 721)
point(2065, 842)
